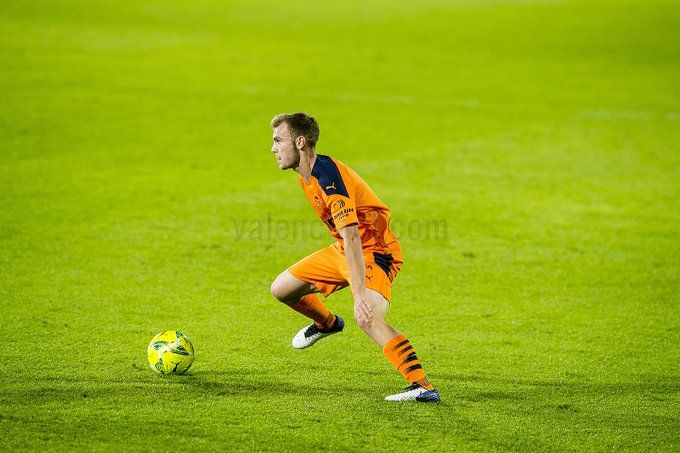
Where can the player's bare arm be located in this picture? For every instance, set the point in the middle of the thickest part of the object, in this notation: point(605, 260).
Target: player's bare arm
point(357, 271)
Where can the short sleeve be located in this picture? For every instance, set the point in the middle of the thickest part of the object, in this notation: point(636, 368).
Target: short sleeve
point(338, 194)
point(343, 211)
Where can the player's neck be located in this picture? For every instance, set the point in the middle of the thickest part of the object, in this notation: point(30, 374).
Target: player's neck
point(307, 160)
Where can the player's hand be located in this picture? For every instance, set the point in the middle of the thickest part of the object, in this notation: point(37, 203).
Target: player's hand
point(363, 312)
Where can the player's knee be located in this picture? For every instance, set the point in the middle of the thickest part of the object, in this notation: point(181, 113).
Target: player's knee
point(368, 325)
point(277, 290)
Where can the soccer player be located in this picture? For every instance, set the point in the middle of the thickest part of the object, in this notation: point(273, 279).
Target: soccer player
point(367, 255)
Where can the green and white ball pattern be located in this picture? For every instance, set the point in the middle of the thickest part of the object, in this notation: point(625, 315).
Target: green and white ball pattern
point(170, 352)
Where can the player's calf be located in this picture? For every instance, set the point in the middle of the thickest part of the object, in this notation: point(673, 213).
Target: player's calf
point(299, 296)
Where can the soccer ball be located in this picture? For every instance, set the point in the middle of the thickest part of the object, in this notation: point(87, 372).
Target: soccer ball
point(170, 352)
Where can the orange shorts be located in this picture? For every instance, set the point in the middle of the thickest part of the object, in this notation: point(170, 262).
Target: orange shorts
point(327, 269)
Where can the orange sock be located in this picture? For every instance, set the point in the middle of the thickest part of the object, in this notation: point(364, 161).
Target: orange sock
point(312, 307)
point(400, 352)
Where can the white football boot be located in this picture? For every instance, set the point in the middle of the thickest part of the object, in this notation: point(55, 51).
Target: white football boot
point(415, 392)
point(311, 334)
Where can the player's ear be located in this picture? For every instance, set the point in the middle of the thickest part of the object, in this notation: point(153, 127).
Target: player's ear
point(300, 142)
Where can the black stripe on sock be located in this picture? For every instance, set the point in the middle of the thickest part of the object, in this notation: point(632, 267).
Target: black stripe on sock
point(405, 350)
point(411, 358)
point(399, 345)
point(417, 366)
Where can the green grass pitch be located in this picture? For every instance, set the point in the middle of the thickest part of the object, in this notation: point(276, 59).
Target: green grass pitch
point(528, 150)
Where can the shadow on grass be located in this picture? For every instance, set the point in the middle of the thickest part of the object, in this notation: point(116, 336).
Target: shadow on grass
point(459, 391)
point(236, 383)
point(477, 408)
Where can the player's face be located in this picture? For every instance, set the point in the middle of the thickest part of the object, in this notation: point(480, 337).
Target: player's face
point(287, 155)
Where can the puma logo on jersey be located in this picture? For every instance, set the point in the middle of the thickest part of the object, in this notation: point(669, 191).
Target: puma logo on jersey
point(332, 186)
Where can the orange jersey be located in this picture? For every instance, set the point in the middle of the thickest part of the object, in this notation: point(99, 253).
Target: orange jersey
point(340, 197)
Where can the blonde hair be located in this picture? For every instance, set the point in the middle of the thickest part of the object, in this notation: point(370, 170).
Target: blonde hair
point(300, 124)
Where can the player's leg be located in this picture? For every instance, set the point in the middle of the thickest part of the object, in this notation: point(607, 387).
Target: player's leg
point(288, 289)
point(377, 329)
point(298, 286)
point(301, 297)
point(399, 351)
